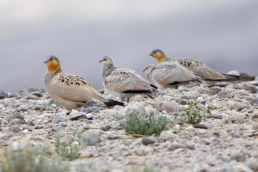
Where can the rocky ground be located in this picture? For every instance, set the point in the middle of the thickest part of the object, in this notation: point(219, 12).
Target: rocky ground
point(225, 141)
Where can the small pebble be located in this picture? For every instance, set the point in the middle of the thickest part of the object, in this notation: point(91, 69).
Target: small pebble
point(111, 137)
point(148, 140)
point(238, 156)
point(174, 146)
point(203, 126)
point(252, 164)
point(105, 128)
point(91, 138)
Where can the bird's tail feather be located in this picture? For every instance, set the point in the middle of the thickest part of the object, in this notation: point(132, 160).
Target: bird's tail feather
point(112, 102)
point(246, 77)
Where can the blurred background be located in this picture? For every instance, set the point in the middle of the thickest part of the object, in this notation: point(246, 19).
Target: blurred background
point(222, 34)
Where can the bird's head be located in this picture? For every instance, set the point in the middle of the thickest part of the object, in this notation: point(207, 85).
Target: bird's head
point(106, 61)
point(53, 64)
point(158, 55)
point(148, 69)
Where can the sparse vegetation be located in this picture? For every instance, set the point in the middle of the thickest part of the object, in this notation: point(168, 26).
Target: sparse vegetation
point(30, 160)
point(63, 125)
point(71, 150)
point(137, 125)
point(193, 113)
point(37, 159)
point(145, 169)
point(83, 168)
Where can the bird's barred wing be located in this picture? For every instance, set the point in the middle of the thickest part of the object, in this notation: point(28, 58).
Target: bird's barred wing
point(124, 80)
point(169, 72)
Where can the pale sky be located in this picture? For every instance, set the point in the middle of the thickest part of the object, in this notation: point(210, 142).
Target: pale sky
point(19, 16)
point(221, 33)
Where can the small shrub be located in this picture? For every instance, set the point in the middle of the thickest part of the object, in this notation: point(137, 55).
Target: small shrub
point(193, 113)
point(63, 125)
point(137, 125)
point(30, 160)
point(83, 168)
point(70, 151)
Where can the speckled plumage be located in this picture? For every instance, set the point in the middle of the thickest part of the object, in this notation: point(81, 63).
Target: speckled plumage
point(196, 67)
point(169, 75)
point(71, 91)
point(203, 70)
point(123, 82)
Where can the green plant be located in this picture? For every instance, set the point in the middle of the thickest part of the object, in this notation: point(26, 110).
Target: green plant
point(137, 125)
point(145, 169)
point(71, 150)
point(63, 125)
point(83, 168)
point(193, 114)
point(30, 160)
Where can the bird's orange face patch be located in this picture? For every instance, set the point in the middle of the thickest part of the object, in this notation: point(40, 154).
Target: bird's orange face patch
point(159, 57)
point(53, 66)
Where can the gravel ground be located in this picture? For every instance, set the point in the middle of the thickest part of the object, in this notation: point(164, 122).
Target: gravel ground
point(225, 141)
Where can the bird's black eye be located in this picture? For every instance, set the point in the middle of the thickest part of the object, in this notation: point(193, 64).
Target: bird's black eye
point(50, 59)
point(104, 59)
point(155, 52)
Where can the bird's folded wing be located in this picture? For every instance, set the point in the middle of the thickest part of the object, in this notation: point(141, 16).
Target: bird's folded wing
point(122, 80)
point(75, 89)
point(201, 69)
point(165, 73)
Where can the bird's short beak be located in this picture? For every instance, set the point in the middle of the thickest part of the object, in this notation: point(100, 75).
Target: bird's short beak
point(100, 61)
point(45, 61)
point(144, 70)
point(150, 54)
